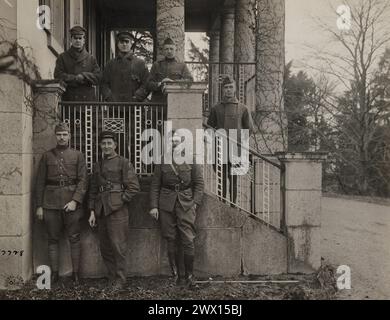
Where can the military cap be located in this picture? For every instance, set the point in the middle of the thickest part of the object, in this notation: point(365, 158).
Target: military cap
point(78, 31)
point(108, 135)
point(227, 80)
point(61, 127)
point(168, 41)
point(124, 35)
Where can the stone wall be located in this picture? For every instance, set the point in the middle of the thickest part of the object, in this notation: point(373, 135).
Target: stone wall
point(228, 244)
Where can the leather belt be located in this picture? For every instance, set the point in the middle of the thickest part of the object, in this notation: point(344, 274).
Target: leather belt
point(177, 187)
point(61, 183)
point(111, 187)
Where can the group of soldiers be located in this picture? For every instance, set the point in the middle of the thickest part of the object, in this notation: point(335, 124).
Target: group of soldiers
point(176, 191)
point(125, 78)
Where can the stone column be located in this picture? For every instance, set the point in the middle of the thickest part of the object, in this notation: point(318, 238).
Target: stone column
point(170, 23)
point(226, 51)
point(214, 67)
point(244, 51)
point(270, 117)
point(303, 193)
point(185, 106)
point(15, 183)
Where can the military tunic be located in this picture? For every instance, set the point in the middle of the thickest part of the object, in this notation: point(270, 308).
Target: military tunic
point(71, 63)
point(230, 115)
point(61, 178)
point(125, 79)
point(175, 197)
point(113, 186)
point(166, 68)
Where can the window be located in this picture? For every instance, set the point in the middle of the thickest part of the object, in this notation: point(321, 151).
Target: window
point(57, 35)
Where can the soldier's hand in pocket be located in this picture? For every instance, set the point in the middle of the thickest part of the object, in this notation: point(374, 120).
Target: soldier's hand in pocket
point(71, 206)
point(92, 220)
point(154, 213)
point(40, 213)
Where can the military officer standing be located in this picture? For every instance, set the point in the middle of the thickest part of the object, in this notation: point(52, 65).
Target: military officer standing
point(175, 194)
point(78, 69)
point(166, 70)
point(113, 185)
point(125, 77)
point(60, 188)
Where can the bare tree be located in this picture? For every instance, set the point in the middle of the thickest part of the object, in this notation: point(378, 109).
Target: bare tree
point(353, 60)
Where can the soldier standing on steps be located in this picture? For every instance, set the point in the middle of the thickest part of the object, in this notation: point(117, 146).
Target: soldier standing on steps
point(113, 186)
point(175, 194)
point(60, 188)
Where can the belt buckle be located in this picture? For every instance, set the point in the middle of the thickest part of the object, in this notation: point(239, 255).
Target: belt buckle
point(177, 187)
point(62, 183)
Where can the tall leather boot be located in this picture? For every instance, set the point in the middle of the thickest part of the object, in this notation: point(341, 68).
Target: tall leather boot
point(75, 250)
point(53, 258)
point(189, 270)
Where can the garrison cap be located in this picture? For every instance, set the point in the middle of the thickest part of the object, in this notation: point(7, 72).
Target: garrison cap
point(124, 35)
point(227, 80)
point(168, 41)
point(108, 135)
point(78, 31)
point(61, 127)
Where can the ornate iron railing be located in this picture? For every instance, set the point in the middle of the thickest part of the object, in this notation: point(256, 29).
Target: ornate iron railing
point(87, 119)
point(258, 191)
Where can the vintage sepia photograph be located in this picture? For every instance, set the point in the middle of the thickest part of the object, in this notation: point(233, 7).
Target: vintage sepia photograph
point(214, 151)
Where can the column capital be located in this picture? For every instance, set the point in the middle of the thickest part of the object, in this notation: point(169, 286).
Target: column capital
point(49, 86)
point(301, 156)
point(228, 11)
point(185, 87)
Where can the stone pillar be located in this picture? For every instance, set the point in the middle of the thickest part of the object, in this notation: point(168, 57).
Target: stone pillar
point(303, 193)
point(214, 68)
point(244, 51)
point(170, 23)
point(185, 105)
point(15, 183)
point(226, 51)
point(270, 118)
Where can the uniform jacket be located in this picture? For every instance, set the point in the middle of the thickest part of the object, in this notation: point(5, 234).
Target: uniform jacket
point(118, 171)
point(166, 68)
point(125, 79)
point(230, 115)
point(71, 63)
point(163, 198)
point(60, 164)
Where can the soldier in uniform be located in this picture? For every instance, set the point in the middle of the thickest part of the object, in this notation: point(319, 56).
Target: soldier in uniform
point(175, 194)
point(230, 114)
point(165, 70)
point(60, 189)
point(78, 69)
point(113, 185)
point(125, 77)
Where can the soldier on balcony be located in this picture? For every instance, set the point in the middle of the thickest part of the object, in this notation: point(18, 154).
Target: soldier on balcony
point(60, 188)
point(78, 69)
point(230, 114)
point(166, 70)
point(176, 192)
point(125, 77)
point(113, 186)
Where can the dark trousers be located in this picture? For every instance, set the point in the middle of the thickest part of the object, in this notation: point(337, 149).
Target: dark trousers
point(114, 237)
point(56, 222)
point(178, 226)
